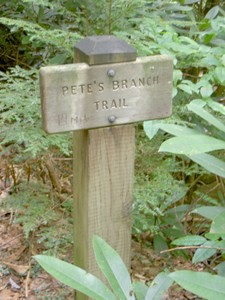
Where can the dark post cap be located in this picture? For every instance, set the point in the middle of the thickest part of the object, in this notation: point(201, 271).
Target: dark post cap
point(104, 49)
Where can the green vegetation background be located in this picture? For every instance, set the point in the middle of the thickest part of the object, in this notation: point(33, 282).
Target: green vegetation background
point(170, 187)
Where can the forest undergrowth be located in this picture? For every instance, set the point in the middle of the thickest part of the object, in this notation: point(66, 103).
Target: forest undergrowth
point(178, 192)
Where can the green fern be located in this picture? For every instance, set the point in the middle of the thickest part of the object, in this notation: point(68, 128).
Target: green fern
point(35, 207)
point(20, 115)
point(32, 205)
point(57, 38)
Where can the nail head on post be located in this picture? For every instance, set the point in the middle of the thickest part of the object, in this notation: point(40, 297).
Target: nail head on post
point(111, 73)
point(112, 119)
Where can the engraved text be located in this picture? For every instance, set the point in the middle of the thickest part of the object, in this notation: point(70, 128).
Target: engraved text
point(110, 104)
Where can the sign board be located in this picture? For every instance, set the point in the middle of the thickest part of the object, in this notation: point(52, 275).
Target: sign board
point(79, 96)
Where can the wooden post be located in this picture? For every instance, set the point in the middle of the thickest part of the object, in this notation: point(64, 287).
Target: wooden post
point(106, 88)
point(103, 172)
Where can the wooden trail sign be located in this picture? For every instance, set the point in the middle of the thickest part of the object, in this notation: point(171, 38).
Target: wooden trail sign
point(106, 86)
point(79, 96)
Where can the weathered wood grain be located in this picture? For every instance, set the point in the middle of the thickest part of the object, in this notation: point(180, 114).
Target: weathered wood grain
point(103, 180)
point(103, 173)
point(78, 96)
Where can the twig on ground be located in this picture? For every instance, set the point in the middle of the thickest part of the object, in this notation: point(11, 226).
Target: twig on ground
point(8, 242)
point(191, 247)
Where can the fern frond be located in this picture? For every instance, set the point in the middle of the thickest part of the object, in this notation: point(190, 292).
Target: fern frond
point(60, 39)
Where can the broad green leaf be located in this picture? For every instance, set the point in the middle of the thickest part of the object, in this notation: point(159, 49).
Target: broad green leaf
point(190, 1)
point(208, 37)
point(198, 102)
point(212, 236)
point(202, 254)
point(205, 285)
point(140, 290)
point(174, 92)
point(192, 42)
point(206, 91)
point(179, 8)
point(210, 163)
point(209, 212)
point(173, 232)
point(213, 12)
point(223, 60)
point(201, 112)
point(218, 42)
point(159, 243)
point(159, 286)
point(216, 106)
point(189, 240)
point(210, 60)
point(179, 211)
point(150, 128)
point(187, 85)
point(58, 59)
point(186, 88)
point(220, 75)
point(221, 269)
point(218, 224)
point(177, 130)
point(192, 144)
point(177, 75)
point(114, 269)
point(75, 277)
point(221, 245)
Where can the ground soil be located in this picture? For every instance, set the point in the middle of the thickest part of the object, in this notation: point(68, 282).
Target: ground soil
point(20, 278)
